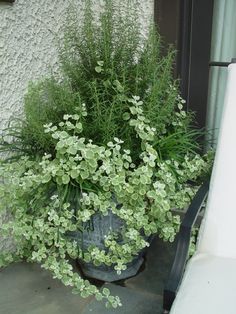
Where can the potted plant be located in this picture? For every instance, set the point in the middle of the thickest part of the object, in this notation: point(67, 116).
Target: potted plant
point(91, 150)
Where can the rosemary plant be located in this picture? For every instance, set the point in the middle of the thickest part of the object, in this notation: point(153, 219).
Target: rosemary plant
point(105, 60)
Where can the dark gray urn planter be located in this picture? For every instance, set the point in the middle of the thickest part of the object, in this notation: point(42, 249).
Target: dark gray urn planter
point(95, 235)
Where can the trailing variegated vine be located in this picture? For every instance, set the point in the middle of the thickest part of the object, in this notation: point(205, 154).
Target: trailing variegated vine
point(53, 196)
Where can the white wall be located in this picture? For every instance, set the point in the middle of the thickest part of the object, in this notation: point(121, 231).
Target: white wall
point(28, 32)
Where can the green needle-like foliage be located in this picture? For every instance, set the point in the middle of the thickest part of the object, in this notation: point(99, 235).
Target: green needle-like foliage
point(105, 60)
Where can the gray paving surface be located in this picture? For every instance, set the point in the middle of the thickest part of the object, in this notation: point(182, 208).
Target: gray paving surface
point(134, 302)
point(157, 266)
point(27, 289)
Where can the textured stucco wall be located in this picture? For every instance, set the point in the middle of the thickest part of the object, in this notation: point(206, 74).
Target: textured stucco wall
point(29, 30)
point(28, 41)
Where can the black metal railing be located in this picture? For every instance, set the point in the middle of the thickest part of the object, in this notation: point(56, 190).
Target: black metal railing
point(183, 241)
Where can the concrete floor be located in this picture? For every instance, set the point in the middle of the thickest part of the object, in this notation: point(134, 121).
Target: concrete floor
point(28, 289)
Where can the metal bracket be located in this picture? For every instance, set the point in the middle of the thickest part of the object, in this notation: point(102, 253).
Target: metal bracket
point(221, 64)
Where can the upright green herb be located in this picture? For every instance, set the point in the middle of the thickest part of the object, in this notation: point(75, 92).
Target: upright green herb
point(105, 60)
